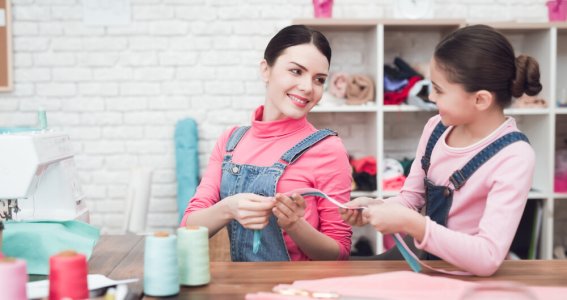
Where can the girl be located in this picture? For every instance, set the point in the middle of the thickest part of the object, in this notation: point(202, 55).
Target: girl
point(473, 168)
point(280, 152)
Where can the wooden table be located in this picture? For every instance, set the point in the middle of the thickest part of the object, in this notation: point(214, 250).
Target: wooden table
point(122, 257)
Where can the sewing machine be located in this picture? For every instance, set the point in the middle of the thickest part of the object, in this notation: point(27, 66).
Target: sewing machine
point(38, 179)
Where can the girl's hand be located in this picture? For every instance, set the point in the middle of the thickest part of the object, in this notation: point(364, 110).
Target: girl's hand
point(289, 210)
point(250, 210)
point(354, 216)
point(393, 218)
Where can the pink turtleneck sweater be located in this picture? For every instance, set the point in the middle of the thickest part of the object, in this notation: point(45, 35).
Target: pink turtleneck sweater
point(486, 211)
point(324, 166)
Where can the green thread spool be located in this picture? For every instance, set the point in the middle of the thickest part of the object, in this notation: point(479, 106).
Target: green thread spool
point(42, 119)
point(193, 255)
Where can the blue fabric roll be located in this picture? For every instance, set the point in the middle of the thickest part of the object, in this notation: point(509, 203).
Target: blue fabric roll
point(186, 162)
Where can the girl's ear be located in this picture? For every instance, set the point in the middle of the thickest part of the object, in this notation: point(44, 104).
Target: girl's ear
point(264, 70)
point(484, 100)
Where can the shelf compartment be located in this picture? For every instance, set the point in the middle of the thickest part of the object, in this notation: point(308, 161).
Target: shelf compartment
point(535, 40)
point(539, 130)
point(357, 130)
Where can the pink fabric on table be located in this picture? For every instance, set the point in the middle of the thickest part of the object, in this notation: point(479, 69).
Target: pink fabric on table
point(400, 285)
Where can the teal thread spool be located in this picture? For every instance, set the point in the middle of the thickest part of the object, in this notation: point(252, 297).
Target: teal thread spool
point(42, 119)
point(193, 255)
point(161, 273)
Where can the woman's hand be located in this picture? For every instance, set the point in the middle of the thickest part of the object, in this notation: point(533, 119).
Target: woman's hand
point(250, 210)
point(354, 216)
point(289, 210)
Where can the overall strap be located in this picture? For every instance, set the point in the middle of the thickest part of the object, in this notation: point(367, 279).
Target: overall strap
point(459, 177)
point(426, 158)
point(235, 138)
point(296, 151)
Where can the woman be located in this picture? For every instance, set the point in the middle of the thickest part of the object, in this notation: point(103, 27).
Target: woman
point(251, 166)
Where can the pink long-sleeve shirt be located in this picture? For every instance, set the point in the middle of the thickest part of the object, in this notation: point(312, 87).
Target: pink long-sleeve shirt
point(324, 166)
point(486, 211)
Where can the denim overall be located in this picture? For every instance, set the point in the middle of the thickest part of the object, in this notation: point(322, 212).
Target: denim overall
point(261, 181)
point(439, 198)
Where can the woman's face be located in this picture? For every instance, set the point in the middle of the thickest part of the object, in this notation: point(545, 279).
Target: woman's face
point(295, 82)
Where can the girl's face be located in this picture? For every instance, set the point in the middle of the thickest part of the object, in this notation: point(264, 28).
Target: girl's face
point(295, 82)
point(456, 106)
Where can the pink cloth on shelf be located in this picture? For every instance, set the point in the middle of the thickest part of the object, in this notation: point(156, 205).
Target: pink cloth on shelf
point(325, 167)
point(338, 85)
point(400, 285)
point(560, 185)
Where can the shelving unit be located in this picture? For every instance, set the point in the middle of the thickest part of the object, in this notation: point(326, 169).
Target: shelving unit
point(384, 131)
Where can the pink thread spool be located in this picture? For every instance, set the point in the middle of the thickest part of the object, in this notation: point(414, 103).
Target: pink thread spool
point(323, 8)
point(557, 10)
point(13, 279)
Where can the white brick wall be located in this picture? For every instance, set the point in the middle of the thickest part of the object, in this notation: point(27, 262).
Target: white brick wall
point(119, 90)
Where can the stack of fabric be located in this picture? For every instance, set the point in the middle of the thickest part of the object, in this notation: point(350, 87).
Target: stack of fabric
point(364, 173)
point(351, 89)
point(403, 84)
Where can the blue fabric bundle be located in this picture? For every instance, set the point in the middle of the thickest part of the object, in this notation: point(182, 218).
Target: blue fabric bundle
point(187, 162)
point(36, 241)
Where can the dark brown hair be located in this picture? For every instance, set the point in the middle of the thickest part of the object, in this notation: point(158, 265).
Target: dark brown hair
point(480, 58)
point(296, 35)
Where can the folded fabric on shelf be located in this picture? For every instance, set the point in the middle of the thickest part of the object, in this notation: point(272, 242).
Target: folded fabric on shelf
point(419, 95)
point(397, 97)
point(392, 84)
point(338, 84)
point(364, 181)
point(405, 68)
point(364, 164)
point(360, 89)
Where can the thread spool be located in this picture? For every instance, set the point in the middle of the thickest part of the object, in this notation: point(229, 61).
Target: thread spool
point(68, 276)
point(161, 273)
point(42, 119)
point(13, 278)
point(193, 255)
